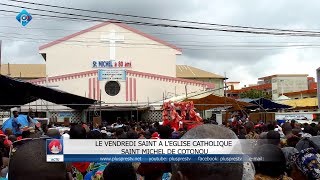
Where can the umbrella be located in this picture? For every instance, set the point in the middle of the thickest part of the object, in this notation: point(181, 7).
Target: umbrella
point(21, 119)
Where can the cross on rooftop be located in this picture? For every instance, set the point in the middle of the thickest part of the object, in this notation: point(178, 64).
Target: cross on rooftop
point(112, 38)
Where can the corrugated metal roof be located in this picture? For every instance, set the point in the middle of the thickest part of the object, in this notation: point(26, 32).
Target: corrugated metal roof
point(43, 105)
point(24, 70)
point(284, 75)
point(184, 71)
point(307, 102)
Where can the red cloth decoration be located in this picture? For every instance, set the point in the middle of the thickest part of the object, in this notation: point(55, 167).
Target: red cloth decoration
point(155, 135)
point(2, 133)
point(7, 143)
point(171, 117)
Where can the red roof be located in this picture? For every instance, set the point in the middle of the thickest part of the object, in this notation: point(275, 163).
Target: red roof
point(257, 87)
point(235, 91)
point(310, 91)
point(313, 85)
point(104, 24)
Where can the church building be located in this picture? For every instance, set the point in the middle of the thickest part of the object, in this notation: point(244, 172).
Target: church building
point(117, 64)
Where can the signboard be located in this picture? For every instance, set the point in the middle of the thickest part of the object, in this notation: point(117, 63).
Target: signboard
point(63, 115)
point(112, 74)
point(305, 116)
point(318, 86)
point(298, 117)
point(111, 64)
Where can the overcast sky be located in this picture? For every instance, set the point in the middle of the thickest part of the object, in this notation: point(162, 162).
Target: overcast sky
point(245, 64)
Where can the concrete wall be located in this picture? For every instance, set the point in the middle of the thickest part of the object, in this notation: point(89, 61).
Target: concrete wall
point(288, 84)
point(218, 84)
point(137, 88)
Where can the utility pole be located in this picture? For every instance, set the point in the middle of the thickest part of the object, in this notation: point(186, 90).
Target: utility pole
point(9, 74)
point(186, 89)
point(225, 95)
point(100, 103)
point(225, 84)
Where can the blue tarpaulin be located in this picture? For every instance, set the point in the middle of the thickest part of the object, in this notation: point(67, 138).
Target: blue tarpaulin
point(9, 124)
point(263, 103)
point(21, 120)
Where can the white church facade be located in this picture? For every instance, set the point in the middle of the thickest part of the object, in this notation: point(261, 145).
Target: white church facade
point(117, 64)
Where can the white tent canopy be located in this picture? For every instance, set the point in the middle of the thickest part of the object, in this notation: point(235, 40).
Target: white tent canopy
point(42, 105)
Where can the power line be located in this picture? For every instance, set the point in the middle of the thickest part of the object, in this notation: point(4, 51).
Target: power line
point(91, 43)
point(226, 48)
point(153, 24)
point(166, 19)
point(138, 40)
point(156, 33)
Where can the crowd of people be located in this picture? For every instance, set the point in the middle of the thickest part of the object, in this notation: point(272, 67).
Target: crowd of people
point(291, 149)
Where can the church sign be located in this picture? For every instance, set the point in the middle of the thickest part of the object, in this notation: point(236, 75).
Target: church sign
point(112, 74)
point(111, 64)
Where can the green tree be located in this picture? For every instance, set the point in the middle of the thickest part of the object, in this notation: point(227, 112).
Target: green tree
point(254, 94)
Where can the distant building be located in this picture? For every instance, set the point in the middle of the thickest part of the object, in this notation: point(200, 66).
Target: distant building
point(312, 84)
point(284, 83)
point(189, 72)
point(310, 93)
point(236, 93)
point(233, 85)
point(24, 71)
point(291, 85)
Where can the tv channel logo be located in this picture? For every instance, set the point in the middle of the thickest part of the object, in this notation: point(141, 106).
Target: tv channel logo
point(24, 17)
point(54, 146)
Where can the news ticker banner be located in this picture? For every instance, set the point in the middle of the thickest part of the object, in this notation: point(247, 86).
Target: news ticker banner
point(148, 150)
